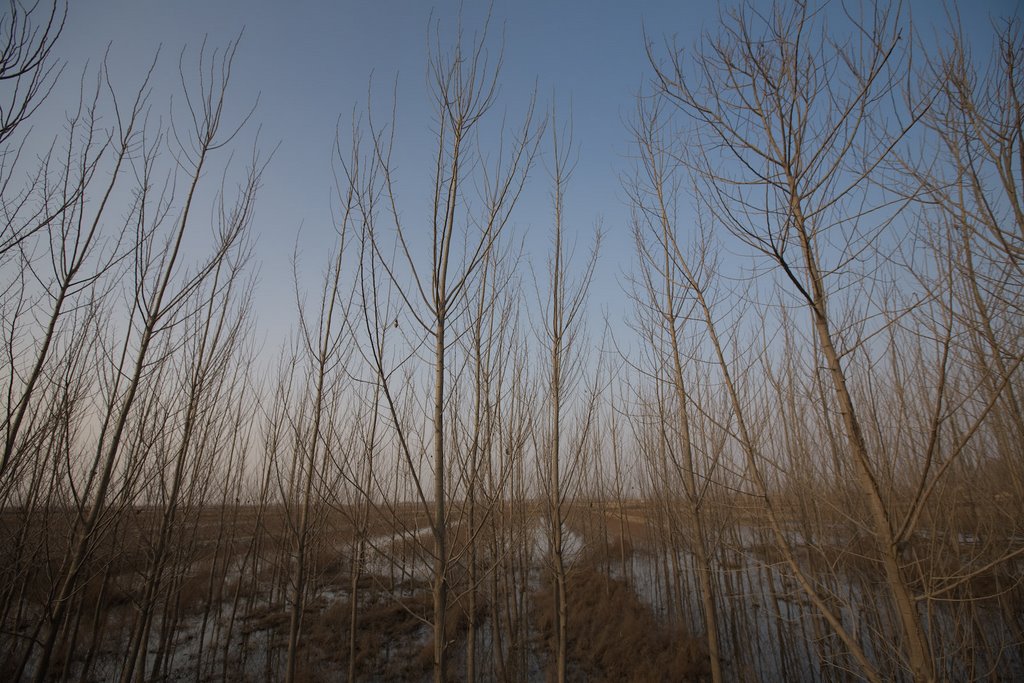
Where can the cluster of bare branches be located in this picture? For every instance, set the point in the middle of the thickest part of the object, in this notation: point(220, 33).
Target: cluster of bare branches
point(873, 422)
point(809, 466)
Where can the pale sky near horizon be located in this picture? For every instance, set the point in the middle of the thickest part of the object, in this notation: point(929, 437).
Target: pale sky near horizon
point(310, 64)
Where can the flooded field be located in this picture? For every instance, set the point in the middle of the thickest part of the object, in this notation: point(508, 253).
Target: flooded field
point(634, 607)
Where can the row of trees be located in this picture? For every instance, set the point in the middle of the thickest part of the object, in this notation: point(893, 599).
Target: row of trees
point(816, 442)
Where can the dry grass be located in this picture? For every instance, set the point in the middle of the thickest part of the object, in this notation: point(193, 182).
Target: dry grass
point(613, 636)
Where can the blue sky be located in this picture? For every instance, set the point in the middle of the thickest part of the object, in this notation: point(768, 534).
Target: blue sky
point(310, 64)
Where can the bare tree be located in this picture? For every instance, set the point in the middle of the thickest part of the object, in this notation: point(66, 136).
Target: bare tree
point(323, 349)
point(161, 303)
point(666, 293)
point(563, 313)
point(791, 139)
point(464, 89)
point(974, 215)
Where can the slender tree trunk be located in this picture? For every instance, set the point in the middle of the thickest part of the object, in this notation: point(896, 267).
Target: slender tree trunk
point(921, 662)
point(695, 496)
point(440, 525)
